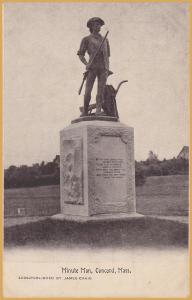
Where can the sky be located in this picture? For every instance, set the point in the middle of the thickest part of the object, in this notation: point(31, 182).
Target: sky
point(42, 74)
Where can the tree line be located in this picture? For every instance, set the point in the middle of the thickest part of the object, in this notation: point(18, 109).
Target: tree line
point(155, 167)
point(49, 173)
point(30, 176)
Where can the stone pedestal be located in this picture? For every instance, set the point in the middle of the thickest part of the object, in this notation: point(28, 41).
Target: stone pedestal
point(97, 169)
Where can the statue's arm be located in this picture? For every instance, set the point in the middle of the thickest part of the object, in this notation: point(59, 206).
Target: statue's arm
point(83, 59)
point(82, 50)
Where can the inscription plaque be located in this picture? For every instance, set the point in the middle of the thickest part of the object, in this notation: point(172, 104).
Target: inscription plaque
point(110, 168)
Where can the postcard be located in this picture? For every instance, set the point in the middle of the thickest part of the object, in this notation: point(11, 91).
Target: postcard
point(96, 149)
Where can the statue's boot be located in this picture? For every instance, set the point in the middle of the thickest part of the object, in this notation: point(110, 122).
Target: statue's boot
point(87, 99)
point(99, 106)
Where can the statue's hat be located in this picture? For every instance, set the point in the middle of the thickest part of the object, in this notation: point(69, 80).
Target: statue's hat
point(95, 19)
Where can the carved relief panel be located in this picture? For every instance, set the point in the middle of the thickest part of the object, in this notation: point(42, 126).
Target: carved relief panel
point(72, 171)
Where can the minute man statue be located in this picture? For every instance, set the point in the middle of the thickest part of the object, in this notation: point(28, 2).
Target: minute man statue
point(98, 50)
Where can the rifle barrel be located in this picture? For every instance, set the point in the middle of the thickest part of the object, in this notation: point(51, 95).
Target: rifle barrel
point(99, 48)
point(86, 73)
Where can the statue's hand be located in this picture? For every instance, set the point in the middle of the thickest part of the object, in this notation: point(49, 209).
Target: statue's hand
point(87, 66)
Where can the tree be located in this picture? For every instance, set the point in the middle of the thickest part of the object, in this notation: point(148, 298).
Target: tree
point(152, 156)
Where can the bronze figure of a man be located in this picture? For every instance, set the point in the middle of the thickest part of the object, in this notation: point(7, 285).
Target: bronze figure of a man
point(100, 65)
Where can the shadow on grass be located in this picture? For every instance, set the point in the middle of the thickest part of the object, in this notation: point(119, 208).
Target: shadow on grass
point(143, 232)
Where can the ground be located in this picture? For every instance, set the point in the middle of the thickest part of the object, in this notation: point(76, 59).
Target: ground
point(162, 200)
point(154, 247)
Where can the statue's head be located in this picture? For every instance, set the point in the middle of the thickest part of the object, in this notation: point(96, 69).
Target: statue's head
point(95, 24)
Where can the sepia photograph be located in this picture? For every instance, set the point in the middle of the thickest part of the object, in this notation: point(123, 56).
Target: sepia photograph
point(96, 149)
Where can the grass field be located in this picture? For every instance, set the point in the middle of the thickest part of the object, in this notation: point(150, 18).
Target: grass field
point(36, 201)
point(135, 233)
point(160, 195)
point(163, 196)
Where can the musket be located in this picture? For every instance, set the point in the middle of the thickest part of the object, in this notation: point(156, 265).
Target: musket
point(91, 62)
